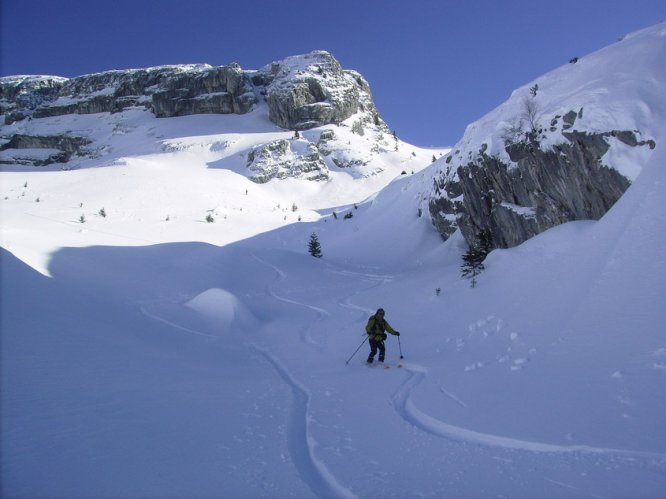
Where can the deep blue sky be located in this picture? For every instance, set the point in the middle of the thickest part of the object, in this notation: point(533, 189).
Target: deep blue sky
point(434, 66)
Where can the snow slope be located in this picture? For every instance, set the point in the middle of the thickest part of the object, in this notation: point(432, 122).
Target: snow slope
point(146, 357)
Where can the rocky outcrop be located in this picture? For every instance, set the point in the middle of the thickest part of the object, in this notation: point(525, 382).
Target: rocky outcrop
point(313, 90)
point(284, 159)
point(167, 91)
point(43, 150)
point(301, 91)
point(21, 95)
point(341, 155)
point(223, 90)
point(538, 189)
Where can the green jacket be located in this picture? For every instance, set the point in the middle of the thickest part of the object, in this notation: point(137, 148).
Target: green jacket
point(376, 327)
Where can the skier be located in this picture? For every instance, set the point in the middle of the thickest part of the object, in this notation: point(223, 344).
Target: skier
point(376, 329)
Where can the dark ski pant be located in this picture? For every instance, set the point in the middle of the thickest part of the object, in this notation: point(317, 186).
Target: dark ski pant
point(374, 346)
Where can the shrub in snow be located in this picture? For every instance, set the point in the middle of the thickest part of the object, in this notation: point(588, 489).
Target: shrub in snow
point(530, 114)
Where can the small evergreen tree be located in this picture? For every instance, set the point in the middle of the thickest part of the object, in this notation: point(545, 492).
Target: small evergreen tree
point(473, 260)
point(314, 247)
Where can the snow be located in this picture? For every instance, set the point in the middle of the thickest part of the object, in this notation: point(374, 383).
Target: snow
point(527, 212)
point(149, 353)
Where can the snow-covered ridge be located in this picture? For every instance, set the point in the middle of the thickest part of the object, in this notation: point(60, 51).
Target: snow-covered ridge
point(619, 87)
point(564, 146)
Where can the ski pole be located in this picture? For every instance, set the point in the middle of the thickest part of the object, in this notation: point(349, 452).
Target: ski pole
point(359, 347)
point(400, 347)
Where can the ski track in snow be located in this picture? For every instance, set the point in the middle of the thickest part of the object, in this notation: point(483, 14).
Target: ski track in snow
point(405, 408)
point(346, 302)
point(452, 396)
point(306, 335)
point(155, 317)
point(299, 441)
point(301, 444)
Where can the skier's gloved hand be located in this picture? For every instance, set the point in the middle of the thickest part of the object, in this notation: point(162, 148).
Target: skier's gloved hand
point(397, 333)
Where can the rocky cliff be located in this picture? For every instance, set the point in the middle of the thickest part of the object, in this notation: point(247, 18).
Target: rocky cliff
point(564, 147)
point(301, 92)
point(539, 188)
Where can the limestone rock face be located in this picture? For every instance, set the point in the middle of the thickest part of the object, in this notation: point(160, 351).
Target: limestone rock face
point(538, 189)
point(286, 158)
point(313, 90)
point(301, 92)
point(20, 95)
point(167, 91)
point(44, 150)
point(222, 90)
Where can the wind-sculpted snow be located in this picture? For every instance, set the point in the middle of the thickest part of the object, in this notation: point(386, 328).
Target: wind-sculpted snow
point(224, 309)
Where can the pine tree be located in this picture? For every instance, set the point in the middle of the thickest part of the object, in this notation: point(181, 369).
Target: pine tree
point(473, 260)
point(314, 248)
